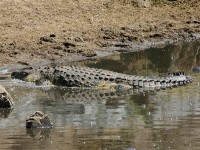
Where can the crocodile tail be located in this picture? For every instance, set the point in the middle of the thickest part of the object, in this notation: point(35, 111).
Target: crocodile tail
point(178, 73)
point(179, 78)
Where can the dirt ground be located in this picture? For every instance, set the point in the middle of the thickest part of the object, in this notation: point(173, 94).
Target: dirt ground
point(68, 29)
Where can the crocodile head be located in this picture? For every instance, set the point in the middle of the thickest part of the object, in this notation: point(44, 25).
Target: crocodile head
point(38, 120)
point(33, 77)
point(22, 74)
point(30, 75)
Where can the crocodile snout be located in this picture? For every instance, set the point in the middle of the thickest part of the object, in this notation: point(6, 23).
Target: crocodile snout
point(19, 75)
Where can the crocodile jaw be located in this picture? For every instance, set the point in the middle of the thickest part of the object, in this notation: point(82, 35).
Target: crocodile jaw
point(32, 77)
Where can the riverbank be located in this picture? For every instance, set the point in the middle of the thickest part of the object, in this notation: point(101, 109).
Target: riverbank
point(55, 31)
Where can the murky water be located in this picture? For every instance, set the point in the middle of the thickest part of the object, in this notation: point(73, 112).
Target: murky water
point(90, 119)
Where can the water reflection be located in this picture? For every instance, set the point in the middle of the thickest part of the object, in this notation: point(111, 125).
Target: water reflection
point(39, 133)
point(92, 119)
point(181, 56)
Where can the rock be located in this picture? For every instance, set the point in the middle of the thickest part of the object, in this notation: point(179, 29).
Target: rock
point(46, 39)
point(38, 120)
point(68, 44)
point(49, 38)
point(196, 69)
point(23, 63)
point(52, 35)
point(79, 39)
point(143, 3)
point(6, 100)
point(89, 54)
point(122, 45)
point(58, 47)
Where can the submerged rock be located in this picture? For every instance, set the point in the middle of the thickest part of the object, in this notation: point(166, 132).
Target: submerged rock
point(6, 100)
point(196, 69)
point(38, 120)
point(47, 39)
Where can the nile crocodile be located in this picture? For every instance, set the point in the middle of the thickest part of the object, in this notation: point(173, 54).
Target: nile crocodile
point(74, 76)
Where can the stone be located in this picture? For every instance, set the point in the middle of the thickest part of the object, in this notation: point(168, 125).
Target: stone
point(196, 69)
point(46, 39)
point(6, 100)
point(68, 44)
point(143, 3)
point(89, 54)
point(52, 35)
point(38, 120)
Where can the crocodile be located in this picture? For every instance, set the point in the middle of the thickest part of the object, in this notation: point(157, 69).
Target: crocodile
point(85, 77)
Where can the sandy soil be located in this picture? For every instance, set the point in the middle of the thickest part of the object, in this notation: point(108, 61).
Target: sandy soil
point(68, 29)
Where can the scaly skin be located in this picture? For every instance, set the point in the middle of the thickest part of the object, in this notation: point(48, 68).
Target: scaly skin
point(73, 76)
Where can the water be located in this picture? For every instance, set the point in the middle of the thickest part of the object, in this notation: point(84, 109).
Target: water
point(90, 119)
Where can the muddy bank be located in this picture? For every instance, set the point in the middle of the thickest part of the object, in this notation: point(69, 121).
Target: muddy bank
point(42, 32)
